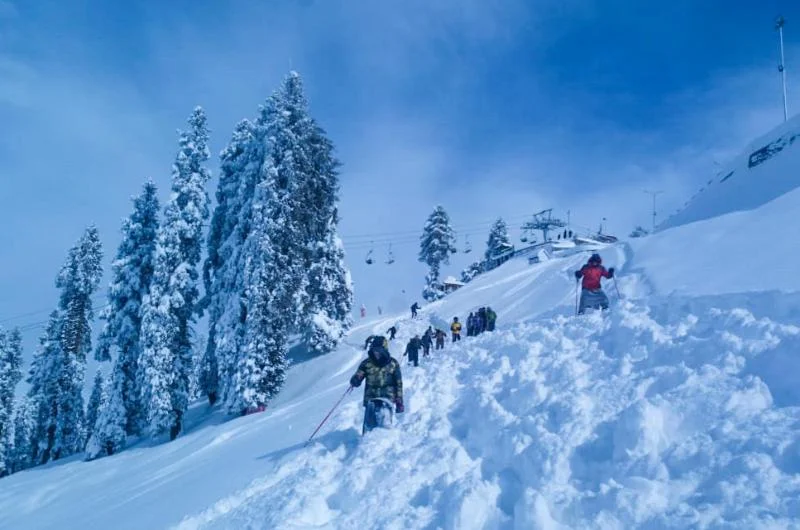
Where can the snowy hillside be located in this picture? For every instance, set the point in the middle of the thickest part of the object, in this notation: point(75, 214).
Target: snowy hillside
point(765, 170)
point(680, 409)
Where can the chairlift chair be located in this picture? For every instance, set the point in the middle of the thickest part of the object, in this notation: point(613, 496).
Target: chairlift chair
point(467, 246)
point(369, 259)
point(390, 256)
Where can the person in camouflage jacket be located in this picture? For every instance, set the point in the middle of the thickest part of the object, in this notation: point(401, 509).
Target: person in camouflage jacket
point(382, 374)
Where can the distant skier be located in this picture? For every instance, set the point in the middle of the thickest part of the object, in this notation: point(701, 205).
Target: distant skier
point(380, 310)
point(412, 350)
point(491, 319)
point(440, 336)
point(481, 321)
point(427, 341)
point(414, 309)
point(384, 385)
point(455, 328)
point(592, 295)
point(363, 311)
point(392, 331)
point(471, 325)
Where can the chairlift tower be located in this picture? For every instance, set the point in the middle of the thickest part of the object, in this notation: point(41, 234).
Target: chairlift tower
point(779, 23)
point(543, 221)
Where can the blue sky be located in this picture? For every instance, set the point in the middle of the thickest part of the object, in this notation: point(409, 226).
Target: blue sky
point(489, 108)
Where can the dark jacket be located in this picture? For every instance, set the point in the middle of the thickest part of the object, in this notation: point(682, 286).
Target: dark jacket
point(412, 349)
point(382, 376)
point(427, 338)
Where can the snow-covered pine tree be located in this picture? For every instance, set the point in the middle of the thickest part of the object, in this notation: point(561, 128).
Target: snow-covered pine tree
point(286, 148)
point(109, 431)
point(44, 390)
point(498, 239)
point(639, 231)
point(10, 375)
point(172, 305)
point(93, 406)
point(326, 308)
point(329, 294)
point(437, 243)
point(78, 281)
point(132, 272)
point(273, 284)
point(273, 260)
point(223, 270)
point(24, 428)
point(468, 274)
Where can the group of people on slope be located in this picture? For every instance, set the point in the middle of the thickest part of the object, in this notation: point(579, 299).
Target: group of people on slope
point(484, 319)
point(383, 391)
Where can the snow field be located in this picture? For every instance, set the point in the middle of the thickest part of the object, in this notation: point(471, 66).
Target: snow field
point(666, 413)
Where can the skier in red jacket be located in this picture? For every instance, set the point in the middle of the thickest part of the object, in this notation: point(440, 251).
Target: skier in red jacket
point(592, 295)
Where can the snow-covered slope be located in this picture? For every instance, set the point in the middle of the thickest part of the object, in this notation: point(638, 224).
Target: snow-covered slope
point(765, 170)
point(679, 409)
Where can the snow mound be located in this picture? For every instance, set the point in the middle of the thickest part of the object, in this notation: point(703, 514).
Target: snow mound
point(651, 418)
point(765, 170)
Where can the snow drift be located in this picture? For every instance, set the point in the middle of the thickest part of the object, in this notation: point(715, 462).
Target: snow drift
point(679, 409)
point(765, 170)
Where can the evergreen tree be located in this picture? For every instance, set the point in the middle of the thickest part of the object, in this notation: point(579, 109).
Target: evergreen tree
point(77, 280)
point(24, 428)
point(44, 390)
point(468, 274)
point(273, 259)
point(245, 156)
point(639, 231)
point(498, 239)
point(436, 245)
point(172, 305)
point(109, 434)
point(10, 376)
point(326, 300)
point(222, 271)
point(93, 407)
point(132, 273)
point(276, 262)
point(330, 297)
point(272, 286)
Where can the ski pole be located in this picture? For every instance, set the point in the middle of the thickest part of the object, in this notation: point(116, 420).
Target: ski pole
point(576, 296)
point(349, 389)
point(619, 296)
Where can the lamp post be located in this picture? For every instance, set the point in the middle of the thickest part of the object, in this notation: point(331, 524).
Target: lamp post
point(779, 23)
point(654, 194)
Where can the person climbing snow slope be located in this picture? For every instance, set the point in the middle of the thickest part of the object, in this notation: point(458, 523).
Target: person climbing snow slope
point(412, 350)
point(440, 336)
point(392, 331)
point(427, 341)
point(383, 388)
point(455, 327)
point(414, 309)
point(491, 319)
point(592, 295)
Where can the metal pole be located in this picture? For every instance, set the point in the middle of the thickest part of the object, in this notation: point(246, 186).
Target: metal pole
point(654, 194)
point(781, 67)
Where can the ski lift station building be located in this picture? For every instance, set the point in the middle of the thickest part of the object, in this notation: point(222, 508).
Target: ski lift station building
point(450, 284)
